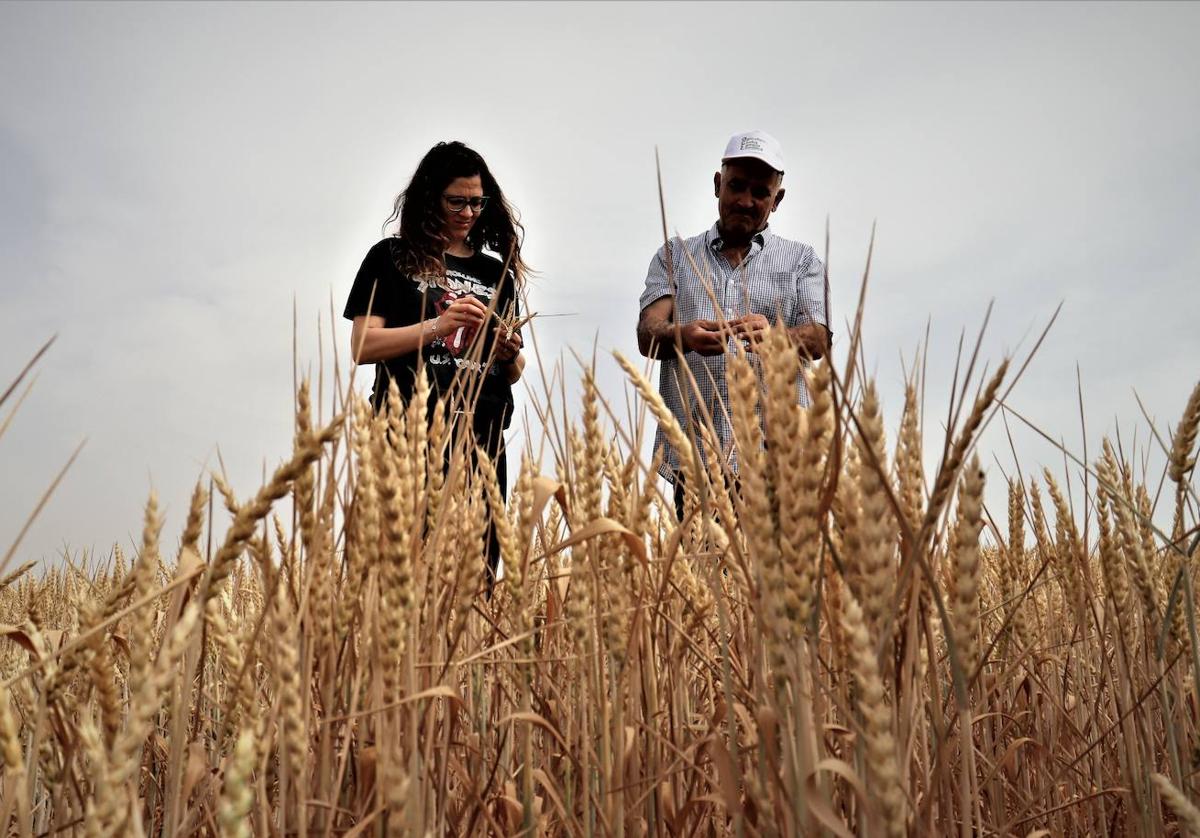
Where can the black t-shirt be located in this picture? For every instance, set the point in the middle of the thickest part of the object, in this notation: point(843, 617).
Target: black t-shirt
point(403, 300)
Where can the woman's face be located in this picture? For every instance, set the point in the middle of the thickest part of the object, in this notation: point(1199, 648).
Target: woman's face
point(462, 202)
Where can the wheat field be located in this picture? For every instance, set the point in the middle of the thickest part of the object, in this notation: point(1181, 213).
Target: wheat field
point(837, 643)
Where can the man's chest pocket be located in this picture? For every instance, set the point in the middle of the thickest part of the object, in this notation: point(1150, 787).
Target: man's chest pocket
point(776, 297)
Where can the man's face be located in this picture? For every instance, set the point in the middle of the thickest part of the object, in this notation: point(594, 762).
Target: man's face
point(748, 191)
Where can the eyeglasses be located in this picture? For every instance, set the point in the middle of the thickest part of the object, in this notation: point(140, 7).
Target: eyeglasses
point(458, 203)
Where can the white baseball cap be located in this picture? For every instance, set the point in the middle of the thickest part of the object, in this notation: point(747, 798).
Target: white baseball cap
point(757, 144)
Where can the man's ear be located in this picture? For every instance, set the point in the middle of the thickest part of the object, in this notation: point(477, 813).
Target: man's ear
point(717, 185)
point(778, 199)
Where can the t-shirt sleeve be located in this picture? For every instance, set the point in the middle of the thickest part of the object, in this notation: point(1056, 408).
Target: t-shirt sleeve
point(658, 279)
point(811, 297)
point(375, 275)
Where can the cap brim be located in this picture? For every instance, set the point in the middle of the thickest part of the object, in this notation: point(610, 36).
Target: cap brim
point(757, 157)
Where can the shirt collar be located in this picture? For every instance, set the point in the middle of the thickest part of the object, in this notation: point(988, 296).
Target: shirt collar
point(715, 242)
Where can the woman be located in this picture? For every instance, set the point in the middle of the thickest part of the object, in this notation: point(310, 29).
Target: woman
point(421, 299)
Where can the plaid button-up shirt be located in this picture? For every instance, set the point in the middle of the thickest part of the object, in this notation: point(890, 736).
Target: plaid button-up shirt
point(777, 278)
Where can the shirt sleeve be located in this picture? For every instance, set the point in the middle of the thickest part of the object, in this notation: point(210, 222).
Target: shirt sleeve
point(376, 274)
point(658, 279)
point(812, 298)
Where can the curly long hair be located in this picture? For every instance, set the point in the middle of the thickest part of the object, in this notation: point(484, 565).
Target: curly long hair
point(419, 210)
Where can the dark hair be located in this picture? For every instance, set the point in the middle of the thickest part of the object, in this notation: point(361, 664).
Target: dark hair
point(419, 211)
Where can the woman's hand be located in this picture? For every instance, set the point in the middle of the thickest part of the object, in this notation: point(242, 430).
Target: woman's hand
point(465, 311)
point(508, 344)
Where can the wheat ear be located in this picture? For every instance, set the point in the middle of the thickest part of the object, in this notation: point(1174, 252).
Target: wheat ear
point(1182, 461)
point(1184, 809)
point(965, 616)
point(877, 719)
point(237, 793)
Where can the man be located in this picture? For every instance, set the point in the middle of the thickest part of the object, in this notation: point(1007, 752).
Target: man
point(754, 276)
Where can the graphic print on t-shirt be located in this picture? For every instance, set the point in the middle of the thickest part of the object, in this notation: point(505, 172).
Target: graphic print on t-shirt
point(459, 284)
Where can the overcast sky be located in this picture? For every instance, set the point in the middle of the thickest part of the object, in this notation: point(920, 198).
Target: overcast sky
point(173, 177)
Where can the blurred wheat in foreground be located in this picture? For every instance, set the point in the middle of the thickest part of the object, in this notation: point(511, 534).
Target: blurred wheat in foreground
point(838, 645)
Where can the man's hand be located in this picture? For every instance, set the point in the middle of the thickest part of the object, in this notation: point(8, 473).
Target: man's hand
point(657, 329)
point(750, 329)
point(811, 339)
point(704, 337)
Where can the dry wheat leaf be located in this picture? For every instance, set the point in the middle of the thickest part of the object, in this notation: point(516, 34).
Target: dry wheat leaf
point(819, 807)
point(534, 718)
point(20, 637)
point(725, 776)
point(197, 768)
point(603, 526)
point(541, 778)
